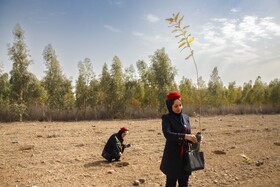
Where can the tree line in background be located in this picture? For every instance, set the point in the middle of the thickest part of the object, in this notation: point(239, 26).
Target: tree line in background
point(117, 93)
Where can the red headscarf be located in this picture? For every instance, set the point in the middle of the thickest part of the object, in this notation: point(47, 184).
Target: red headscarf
point(173, 95)
point(123, 129)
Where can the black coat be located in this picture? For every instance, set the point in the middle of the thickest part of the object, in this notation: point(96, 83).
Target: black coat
point(172, 163)
point(114, 146)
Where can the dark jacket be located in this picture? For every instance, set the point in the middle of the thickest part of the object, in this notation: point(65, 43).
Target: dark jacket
point(174, 128)
point(113, 146)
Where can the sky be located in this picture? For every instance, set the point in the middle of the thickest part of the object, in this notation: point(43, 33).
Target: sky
point(239, 37)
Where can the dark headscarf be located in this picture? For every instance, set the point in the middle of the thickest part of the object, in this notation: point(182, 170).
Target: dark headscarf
point(171, 97)
point(122, 130)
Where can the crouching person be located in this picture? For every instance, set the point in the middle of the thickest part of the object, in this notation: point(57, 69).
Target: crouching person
point(114, 147)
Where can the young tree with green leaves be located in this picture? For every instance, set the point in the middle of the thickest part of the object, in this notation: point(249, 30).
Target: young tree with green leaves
point(139, 94)
point(117, 88)
point(274, 92)
point(103, 97)
point(233, 94)
point(68, 97)
point(94, 92)
point(188, 91)
point(216, 95)
point(21, 79)
point(85, 77)
point(130, 83)
point(148, 86)
point(247, 93)
point(36, 94)
point(81, 93)
point(164, 76)
point(134, 90)
point(190, 94)
point(4, 88)
point(58, 87)
point(258, 92)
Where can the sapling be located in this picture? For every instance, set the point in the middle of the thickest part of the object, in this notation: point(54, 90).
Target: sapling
point(185, 40)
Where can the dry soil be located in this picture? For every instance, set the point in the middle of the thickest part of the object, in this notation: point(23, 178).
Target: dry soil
point(239, 151)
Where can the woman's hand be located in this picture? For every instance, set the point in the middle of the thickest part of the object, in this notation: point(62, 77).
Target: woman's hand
point(127, 146)
point(191, 138)
point(120, 154)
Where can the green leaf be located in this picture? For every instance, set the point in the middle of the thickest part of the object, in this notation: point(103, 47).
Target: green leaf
point(176, 17)
point(185, 27)
point(175, 30)
point(182, 44)
point(179, 22)
point(191, 39)
point(188, 36)
point(178, 35)
point(182, 40)
point(170, 20)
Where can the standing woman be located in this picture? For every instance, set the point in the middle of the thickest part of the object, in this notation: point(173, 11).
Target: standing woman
point(177, 131)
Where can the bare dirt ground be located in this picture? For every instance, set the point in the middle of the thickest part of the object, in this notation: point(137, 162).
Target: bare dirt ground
point(239, 151)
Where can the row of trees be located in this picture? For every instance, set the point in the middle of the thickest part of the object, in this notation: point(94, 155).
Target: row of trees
point(117, 92)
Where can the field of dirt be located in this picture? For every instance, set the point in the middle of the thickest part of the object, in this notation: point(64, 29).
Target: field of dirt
point(239, 151)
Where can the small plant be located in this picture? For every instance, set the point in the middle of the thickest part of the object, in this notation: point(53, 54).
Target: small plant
point(185, 43)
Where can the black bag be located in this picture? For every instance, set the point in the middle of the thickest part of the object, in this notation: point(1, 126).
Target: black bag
point(194, 161)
